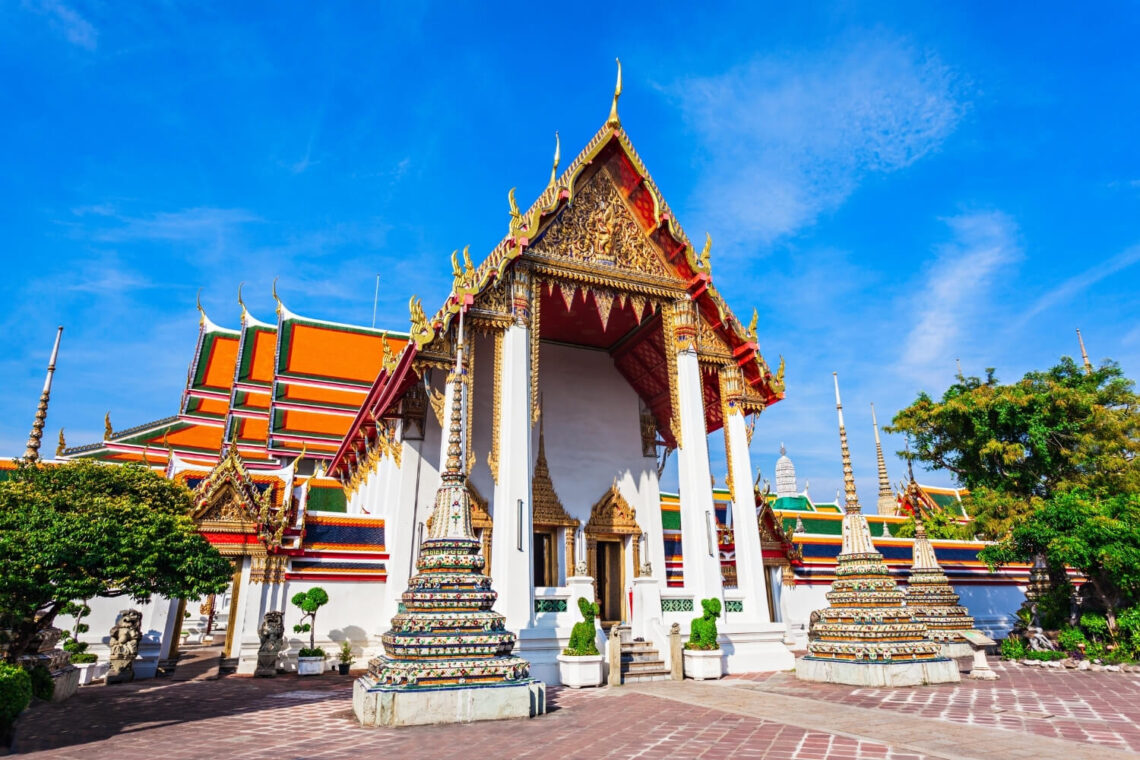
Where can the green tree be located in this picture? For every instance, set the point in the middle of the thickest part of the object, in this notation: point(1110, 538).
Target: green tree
point(938, 525)
point(83, 529)
point(1014, 445)
point(1098, 535)
point(309, 602)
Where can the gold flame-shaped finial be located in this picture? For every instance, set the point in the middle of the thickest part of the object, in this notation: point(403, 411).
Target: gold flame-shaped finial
point(614, 121)
point(108, 431)
point(275, 298)
point(852, 498)
point(1084, 353)
point(557, 160)
point(304, 448)
point(62, 445)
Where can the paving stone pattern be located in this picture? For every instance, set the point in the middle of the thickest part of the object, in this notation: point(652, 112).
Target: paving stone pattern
point(1079, 706)
point(291, 717)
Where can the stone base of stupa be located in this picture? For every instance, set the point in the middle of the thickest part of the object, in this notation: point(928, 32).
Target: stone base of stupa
point(957, 649)
point(377, 705)
point(878, 673)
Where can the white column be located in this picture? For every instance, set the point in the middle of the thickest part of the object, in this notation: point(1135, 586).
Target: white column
point(401, 524)
point(511, 566)
point(698, 526)
point(750, 575)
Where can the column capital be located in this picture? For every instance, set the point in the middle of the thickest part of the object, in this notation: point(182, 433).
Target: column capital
point(521, 294)
point(685, 324)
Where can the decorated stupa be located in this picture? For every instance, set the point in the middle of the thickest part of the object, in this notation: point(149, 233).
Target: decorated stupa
point(929, 595)
point(866, 637)
point(447, 658)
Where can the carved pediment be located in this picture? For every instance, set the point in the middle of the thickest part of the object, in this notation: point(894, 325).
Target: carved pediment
point(613, 515)
point(598, 229)
point(228, 501)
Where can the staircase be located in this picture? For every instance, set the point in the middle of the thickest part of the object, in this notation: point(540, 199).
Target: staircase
point(641, 662)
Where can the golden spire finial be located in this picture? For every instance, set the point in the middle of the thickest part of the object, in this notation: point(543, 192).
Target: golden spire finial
point(886, 503)
point(1084, 353)
point(62, 445)
point(614, 121)
point(454, 469)
point(241, 303)
point(852, 498)
point(32, 450)
point(557, 160)
point(108, 431)
point(201, 311)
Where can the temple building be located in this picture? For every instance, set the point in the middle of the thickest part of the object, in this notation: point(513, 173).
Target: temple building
point(598, 351)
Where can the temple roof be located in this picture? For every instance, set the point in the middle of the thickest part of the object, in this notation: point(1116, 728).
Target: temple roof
point(677, 267)
point(274, 389)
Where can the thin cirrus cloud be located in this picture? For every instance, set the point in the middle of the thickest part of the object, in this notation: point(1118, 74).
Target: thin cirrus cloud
point(790, 138)
point(63, 18)
point(1081, 282)
point(957, 287)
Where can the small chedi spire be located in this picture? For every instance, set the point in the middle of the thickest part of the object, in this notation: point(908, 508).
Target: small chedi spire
point(887, 504)
point(929, 594)
point(786, 484)
point(448, 638)
point(32, 450)
point(614, 121)
point(866, 637)
point(1084, 354)
point(61, 446)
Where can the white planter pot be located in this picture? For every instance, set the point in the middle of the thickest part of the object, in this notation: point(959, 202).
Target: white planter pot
point(703, 664)
point(90, 672)
point(310, 666)
point(577, 672)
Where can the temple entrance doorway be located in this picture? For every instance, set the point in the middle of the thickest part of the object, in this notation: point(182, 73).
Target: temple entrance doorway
point(610, 565)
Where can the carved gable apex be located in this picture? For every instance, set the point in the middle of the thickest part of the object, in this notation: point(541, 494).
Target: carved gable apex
point(598, 229)
point(613, 515)
point(229, 495)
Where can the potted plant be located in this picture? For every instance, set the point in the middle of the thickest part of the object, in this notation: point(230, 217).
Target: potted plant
point(580, 663)
point(90, 669)
point(311, 659)
point(345, 657)
point(702, 652)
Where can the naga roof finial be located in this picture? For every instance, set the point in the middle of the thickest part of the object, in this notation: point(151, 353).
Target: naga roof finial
point(614, 121)
point(275, 298)
point(241, 303)
point(557, 160)
point(201, 311)
point(705, 259)
point(62, 445)
point(108, 431)
point(516, 215)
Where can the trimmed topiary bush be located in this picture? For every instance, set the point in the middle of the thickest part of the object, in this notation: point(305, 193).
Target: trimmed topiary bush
point(1012, 648)
point(583, 641)
point(15, 695)
point(702, 633)
point(309, 602)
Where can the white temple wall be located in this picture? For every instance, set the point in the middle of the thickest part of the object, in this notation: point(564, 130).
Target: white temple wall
point(593, 435)
point(483, 412)
point(159, 617)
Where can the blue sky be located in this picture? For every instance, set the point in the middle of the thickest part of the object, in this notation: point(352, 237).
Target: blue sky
point(893, 186)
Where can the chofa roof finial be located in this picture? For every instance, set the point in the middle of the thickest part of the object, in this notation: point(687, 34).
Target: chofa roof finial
point(614, 121)
point(557, 160)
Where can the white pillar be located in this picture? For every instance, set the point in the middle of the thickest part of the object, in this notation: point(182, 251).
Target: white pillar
point(750, 575)
point(401, 523)
point(698, 524)
point(511, 566)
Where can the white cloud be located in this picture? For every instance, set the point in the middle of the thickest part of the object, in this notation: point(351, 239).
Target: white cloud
point(188, 225)
point(957, 287)
point(78, 30)
point(1081, 282)
point(791, 137)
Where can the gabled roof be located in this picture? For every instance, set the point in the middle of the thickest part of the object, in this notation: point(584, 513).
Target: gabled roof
point(681, 264)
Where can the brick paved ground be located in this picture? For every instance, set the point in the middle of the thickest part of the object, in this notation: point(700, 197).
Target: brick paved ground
point(1080, 706)
point(290, 717)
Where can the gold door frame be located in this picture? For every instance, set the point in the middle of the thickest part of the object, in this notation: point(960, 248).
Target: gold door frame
point(613, 519)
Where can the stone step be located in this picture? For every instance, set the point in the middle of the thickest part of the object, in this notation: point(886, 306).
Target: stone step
point(656, 666)
point(645, 677)
point(641, 657)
